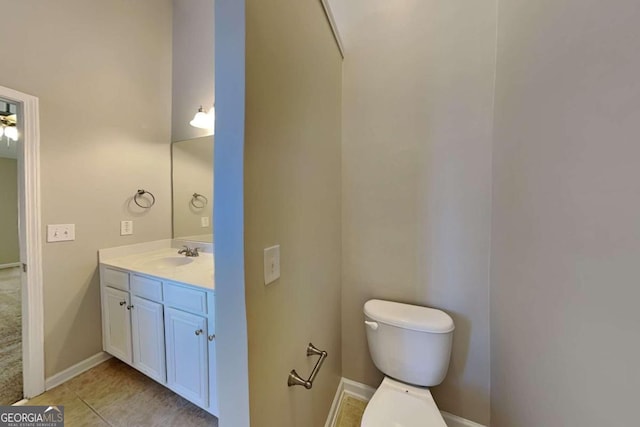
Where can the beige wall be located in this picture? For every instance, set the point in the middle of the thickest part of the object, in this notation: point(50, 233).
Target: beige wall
point(102, 72)
point(192, 172)
point(9, 245)
point(566, 239)
point(417, 115)
point(292, 198)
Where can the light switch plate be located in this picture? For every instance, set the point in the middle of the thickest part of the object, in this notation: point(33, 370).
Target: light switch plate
point(126, 228)
point(61, 232)
point(271, 264)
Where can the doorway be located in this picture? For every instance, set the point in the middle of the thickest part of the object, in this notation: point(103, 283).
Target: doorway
point(11, 384)
point(21, 302)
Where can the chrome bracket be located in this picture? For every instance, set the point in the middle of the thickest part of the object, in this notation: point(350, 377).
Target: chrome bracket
point(295, 379)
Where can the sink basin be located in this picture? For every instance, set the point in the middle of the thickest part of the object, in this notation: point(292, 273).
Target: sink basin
point(166, 262)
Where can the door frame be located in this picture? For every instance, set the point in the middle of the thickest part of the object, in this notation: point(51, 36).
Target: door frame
point(30, 241)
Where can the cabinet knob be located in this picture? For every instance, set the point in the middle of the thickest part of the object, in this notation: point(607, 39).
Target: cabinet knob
point(211, 337)
point(130, 307)
point(199, 331)
point(122, 303)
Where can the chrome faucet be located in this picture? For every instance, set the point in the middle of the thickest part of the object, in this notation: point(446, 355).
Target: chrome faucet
point(187, 251)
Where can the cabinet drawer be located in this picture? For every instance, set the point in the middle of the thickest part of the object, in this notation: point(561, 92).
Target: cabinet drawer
point(116, 279)
point(146, 287)
point(185, 298)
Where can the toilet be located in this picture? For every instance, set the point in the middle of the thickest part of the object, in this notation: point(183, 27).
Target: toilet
point(411, 345)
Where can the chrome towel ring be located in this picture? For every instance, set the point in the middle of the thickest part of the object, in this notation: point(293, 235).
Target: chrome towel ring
point(199, 201)
point(139, 197)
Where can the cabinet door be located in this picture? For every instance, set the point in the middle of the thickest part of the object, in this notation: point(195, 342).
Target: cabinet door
point(117, 324)
point(213, 388)
point(147, 329)
point(186, 338)
point(213, 394)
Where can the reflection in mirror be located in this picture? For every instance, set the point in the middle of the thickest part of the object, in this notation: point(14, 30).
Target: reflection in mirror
point(192, 181)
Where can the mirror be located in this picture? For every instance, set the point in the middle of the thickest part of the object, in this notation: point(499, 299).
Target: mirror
point(192, 186)
point(192, 147)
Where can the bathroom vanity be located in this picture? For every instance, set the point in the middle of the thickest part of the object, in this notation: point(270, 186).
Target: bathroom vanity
point(158, 316)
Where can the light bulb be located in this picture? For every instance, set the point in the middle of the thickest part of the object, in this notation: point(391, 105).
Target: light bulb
point(201, 120)
point(11, 132)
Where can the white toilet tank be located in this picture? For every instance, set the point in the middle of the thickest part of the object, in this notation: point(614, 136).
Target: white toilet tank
point(408, 342)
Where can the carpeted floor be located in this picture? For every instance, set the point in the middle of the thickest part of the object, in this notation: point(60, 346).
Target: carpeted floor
point(10, 336)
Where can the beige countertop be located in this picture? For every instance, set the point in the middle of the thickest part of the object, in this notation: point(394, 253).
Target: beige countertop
point(167, 264)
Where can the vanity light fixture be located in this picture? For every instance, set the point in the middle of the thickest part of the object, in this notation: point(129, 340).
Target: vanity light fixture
point(10, 132)
point(8, 120)
point(204, 120)
point(8, 127)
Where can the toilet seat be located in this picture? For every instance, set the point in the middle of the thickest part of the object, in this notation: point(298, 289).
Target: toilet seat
point(396, 404)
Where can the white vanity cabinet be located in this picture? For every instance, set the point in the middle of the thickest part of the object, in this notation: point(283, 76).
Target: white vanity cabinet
point(187, 370)
point(147, 332)
point(163, 329)
point(115, 317)
point(147, 327)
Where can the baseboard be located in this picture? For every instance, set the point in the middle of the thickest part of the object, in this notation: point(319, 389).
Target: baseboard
point(10, 265)
point(333, 412)
point(75, 370)
point(456, 421)
point(351, 388)
point(358, 390)
point(365, 392)
point(21, 403)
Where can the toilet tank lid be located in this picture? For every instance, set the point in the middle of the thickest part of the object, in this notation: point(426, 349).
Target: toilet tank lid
point(414, 317)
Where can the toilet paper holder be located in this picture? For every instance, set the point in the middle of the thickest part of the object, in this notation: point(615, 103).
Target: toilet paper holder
point(295, 379)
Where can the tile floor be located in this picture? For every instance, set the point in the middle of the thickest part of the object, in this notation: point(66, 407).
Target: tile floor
point(114, 394)
point(350, 412)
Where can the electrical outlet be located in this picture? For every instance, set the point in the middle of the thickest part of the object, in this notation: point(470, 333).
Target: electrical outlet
point(61, 232)
point(126, 228)
point(204, 221)
point(271, 264)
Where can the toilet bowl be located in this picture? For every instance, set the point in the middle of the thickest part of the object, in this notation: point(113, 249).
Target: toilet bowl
point(411, 345)
point(396, 404)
